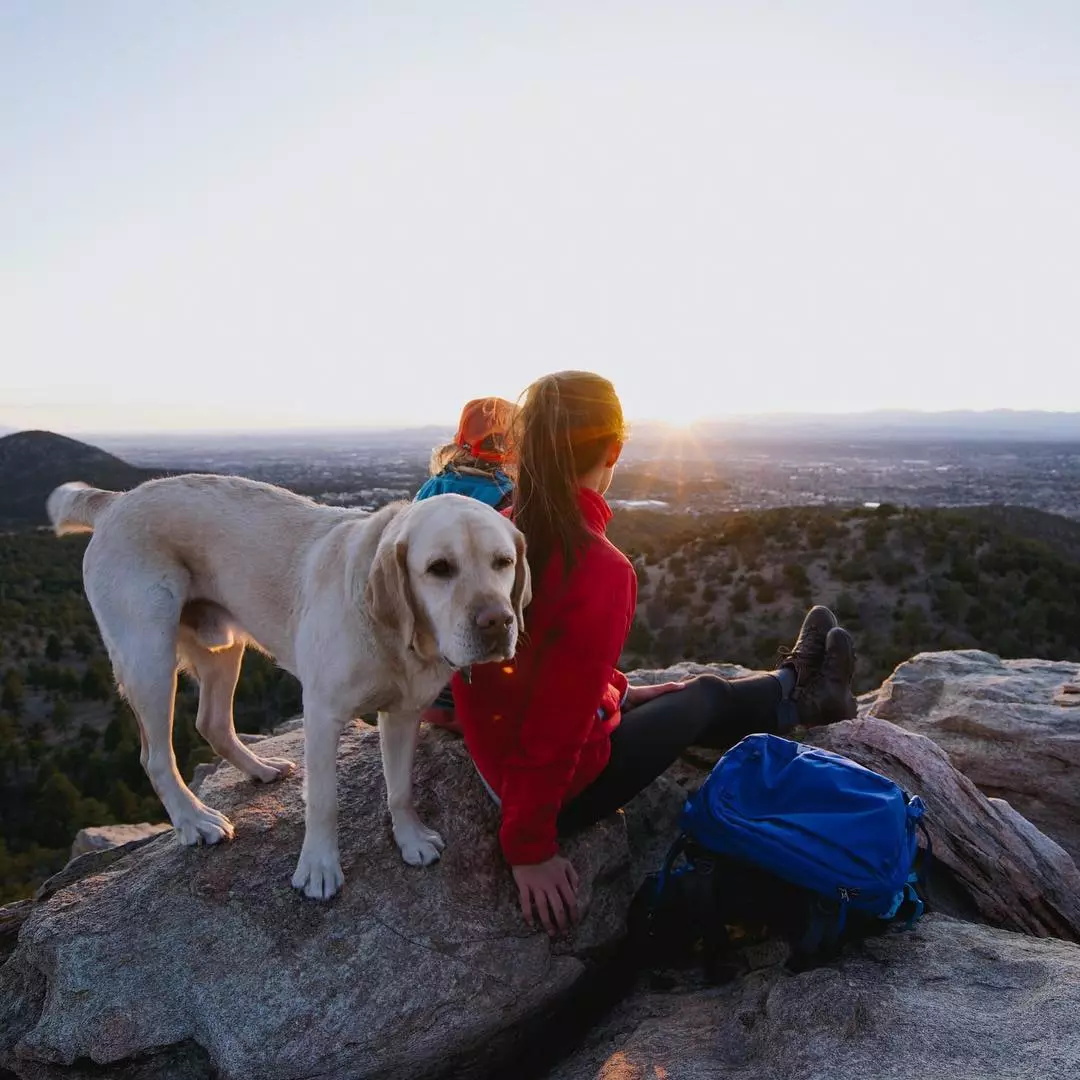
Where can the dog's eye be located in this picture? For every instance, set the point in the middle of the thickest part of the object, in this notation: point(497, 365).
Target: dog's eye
point(441, 568)
point(503, 562)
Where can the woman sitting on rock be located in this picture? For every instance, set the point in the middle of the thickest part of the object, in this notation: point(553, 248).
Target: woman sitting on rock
point(558, 737)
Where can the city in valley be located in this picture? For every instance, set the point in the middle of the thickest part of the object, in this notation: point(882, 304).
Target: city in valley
point(749, 466)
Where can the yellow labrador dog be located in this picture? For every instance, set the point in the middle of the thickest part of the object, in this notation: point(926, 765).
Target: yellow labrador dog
point(371, 612)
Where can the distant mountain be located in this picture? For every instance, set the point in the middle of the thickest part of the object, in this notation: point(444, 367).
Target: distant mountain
point(648, 437)
point(292, 439)
point(884, 424)
point(32, 463)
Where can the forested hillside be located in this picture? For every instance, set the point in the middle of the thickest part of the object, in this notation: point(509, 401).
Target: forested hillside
point(730, 587)
point(735, 586)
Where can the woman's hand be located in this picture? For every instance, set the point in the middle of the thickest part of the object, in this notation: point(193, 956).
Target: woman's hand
point(550, 887)
point(638, 695)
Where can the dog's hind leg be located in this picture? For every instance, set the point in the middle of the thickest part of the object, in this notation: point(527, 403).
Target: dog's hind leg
point(217, 671)
point(139, 625)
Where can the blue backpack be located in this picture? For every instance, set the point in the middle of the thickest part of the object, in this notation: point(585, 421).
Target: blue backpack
point(802, 838)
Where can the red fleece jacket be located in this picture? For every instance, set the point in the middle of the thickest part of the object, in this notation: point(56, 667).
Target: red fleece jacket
point(539, 726)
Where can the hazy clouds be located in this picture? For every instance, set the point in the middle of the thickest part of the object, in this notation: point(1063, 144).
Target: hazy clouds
point(264, 213)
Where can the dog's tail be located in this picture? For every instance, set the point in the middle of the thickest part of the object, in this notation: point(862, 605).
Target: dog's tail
point(75, 507)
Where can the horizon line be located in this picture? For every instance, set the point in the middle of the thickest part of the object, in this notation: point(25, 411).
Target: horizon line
point(721, 418)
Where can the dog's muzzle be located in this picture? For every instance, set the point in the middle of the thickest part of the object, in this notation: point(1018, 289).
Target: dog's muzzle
point(494, 628)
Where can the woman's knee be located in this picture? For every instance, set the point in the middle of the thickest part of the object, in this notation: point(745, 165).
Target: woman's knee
point(713, 688)
point(705, 693)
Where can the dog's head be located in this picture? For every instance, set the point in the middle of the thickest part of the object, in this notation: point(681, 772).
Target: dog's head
point(450, 577)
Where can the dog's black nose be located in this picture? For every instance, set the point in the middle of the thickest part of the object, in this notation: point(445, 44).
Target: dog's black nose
point(494, 618)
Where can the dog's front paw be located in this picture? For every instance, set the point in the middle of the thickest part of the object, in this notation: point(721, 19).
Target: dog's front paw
point(203, 825)
point(318, 874)
point(420, 846)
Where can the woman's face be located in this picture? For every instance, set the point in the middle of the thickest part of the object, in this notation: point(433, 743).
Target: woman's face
point(610, 461)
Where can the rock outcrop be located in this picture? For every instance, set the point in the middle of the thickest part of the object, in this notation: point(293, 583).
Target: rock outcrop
point(1011, 875)
point(166, 962)
point(948, 999)
point(103, 837)
point(209, 955)
point(1011, 726)
point(1000, 868)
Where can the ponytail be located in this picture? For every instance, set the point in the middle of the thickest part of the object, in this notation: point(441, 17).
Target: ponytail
point(566, 424)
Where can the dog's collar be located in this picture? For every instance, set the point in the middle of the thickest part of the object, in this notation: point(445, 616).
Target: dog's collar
point(465, 672)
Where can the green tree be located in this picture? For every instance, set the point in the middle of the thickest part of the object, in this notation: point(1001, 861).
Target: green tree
point(796, 577)
point(765, 592)
point(96, 683)
point(58, 802)
point(11, 693)
point(124, 803)
point(846, 607)
point(82, 643)
point(61, 715)
point(640, 639)
point(53, 649)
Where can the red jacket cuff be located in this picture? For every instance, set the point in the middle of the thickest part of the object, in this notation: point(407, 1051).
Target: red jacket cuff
point(621, 684)
point(526, 851)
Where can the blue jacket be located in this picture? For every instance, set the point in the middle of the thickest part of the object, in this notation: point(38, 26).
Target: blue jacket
point(491, 488)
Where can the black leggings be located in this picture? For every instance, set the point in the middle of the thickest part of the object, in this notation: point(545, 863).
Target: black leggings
point(710, 711)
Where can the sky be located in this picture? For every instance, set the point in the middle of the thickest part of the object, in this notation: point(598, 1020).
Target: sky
point(270, 214)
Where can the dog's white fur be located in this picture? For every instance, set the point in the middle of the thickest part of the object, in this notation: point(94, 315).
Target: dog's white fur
point(371, 612)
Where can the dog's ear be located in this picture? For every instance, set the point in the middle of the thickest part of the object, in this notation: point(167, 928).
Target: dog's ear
point(521, 593)
point(388, 593)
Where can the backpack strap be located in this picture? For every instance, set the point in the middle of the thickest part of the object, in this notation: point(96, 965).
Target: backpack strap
point(824, 925)
point(703, 891)
point(670, 859)
point(659, 882)
point(927, 852)
point(699, 889)
point(918, 907)
point(918, 876)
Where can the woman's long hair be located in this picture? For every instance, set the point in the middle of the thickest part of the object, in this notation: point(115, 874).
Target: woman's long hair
point(562, 429)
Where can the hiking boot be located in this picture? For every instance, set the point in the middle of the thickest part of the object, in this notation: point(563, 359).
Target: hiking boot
point(808, 653)
point(827, 697)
